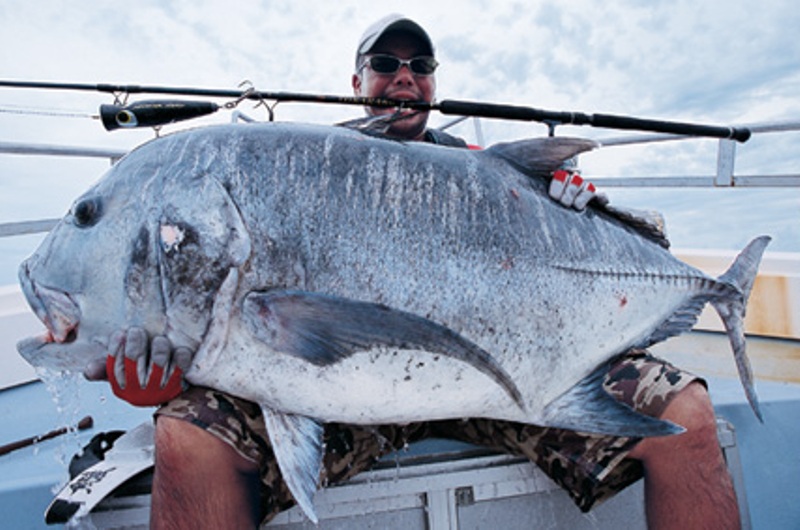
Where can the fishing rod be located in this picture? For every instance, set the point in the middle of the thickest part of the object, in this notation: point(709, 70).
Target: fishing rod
point(159, 112)
point(86, 423)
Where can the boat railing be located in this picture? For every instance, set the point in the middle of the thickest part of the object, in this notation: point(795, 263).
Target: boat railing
point(726, 158)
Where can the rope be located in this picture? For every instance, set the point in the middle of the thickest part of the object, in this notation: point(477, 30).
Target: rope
point(14, 109)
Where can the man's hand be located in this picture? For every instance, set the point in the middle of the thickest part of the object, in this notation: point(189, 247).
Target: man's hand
point(145, 374)
point(571, 190)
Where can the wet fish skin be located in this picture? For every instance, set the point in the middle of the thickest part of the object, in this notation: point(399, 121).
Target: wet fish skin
point(466, 291)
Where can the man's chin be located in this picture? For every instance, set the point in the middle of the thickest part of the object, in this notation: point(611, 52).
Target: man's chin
point(411, 128)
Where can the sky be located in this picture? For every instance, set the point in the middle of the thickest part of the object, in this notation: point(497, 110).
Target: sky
point(715, 61)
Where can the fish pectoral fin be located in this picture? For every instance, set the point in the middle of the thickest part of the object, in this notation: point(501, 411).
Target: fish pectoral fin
point(298, 447)
point(323, 330)
point(587, 407)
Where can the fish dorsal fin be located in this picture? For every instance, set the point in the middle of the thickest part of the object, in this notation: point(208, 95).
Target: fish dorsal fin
point(542, 155)
point(587, 407)
point(298, 447)
point(324, 329)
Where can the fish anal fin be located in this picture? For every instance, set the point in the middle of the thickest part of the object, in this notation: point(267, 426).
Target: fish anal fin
point(298, 447)
point(681, 321)
point(587, 407)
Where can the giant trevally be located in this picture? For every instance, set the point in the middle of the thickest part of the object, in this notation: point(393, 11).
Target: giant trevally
point(333, 276)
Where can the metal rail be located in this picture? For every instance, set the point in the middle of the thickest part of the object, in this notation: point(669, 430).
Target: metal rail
point(13, 148)
point(724, 176)
point(726, 156)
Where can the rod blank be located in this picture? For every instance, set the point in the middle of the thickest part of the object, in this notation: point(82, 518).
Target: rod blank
point(85, 423)
point(463, 108)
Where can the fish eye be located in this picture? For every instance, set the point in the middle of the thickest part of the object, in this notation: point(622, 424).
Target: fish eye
point(87, 212)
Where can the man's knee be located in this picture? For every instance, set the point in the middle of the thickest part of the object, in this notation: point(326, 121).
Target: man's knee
point(199, 474)
point(183, 449)
point(692, 409)
point(176, 448)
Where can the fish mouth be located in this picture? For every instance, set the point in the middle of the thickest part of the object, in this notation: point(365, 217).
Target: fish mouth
point(55, 308)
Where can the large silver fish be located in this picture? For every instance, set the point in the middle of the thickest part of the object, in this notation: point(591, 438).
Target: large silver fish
point(333, 276)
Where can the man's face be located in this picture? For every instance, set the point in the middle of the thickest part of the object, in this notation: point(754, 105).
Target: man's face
point(403, 84)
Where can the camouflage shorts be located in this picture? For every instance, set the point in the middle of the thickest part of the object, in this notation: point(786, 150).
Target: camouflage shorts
point(591, 468)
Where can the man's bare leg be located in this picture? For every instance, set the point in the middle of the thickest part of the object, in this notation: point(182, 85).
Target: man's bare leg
point(200, 481)
point(687, 484)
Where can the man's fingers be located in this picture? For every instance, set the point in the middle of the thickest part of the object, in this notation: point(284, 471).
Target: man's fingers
point(116, 368)
point(161, 355)
point(558, 183)
point(160, 351)
point(144, 372)
point(574, 185)
point(136, 350)
point(586, 194)
point(175, 362)
point(571, 190)
point(182, 358)
point(96, 371)
point(135, 343)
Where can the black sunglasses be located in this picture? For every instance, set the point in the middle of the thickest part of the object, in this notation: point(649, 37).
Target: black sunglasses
point(389, 64)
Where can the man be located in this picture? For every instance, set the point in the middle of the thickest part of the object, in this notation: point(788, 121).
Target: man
point(214, 466)
point(379, 73)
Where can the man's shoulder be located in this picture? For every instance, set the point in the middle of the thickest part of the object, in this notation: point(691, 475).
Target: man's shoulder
point(438, 137)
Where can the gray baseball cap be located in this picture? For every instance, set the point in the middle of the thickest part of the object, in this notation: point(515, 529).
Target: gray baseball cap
point(392, 22)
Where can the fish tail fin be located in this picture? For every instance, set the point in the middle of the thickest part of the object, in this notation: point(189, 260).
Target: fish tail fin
point(741, 275)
